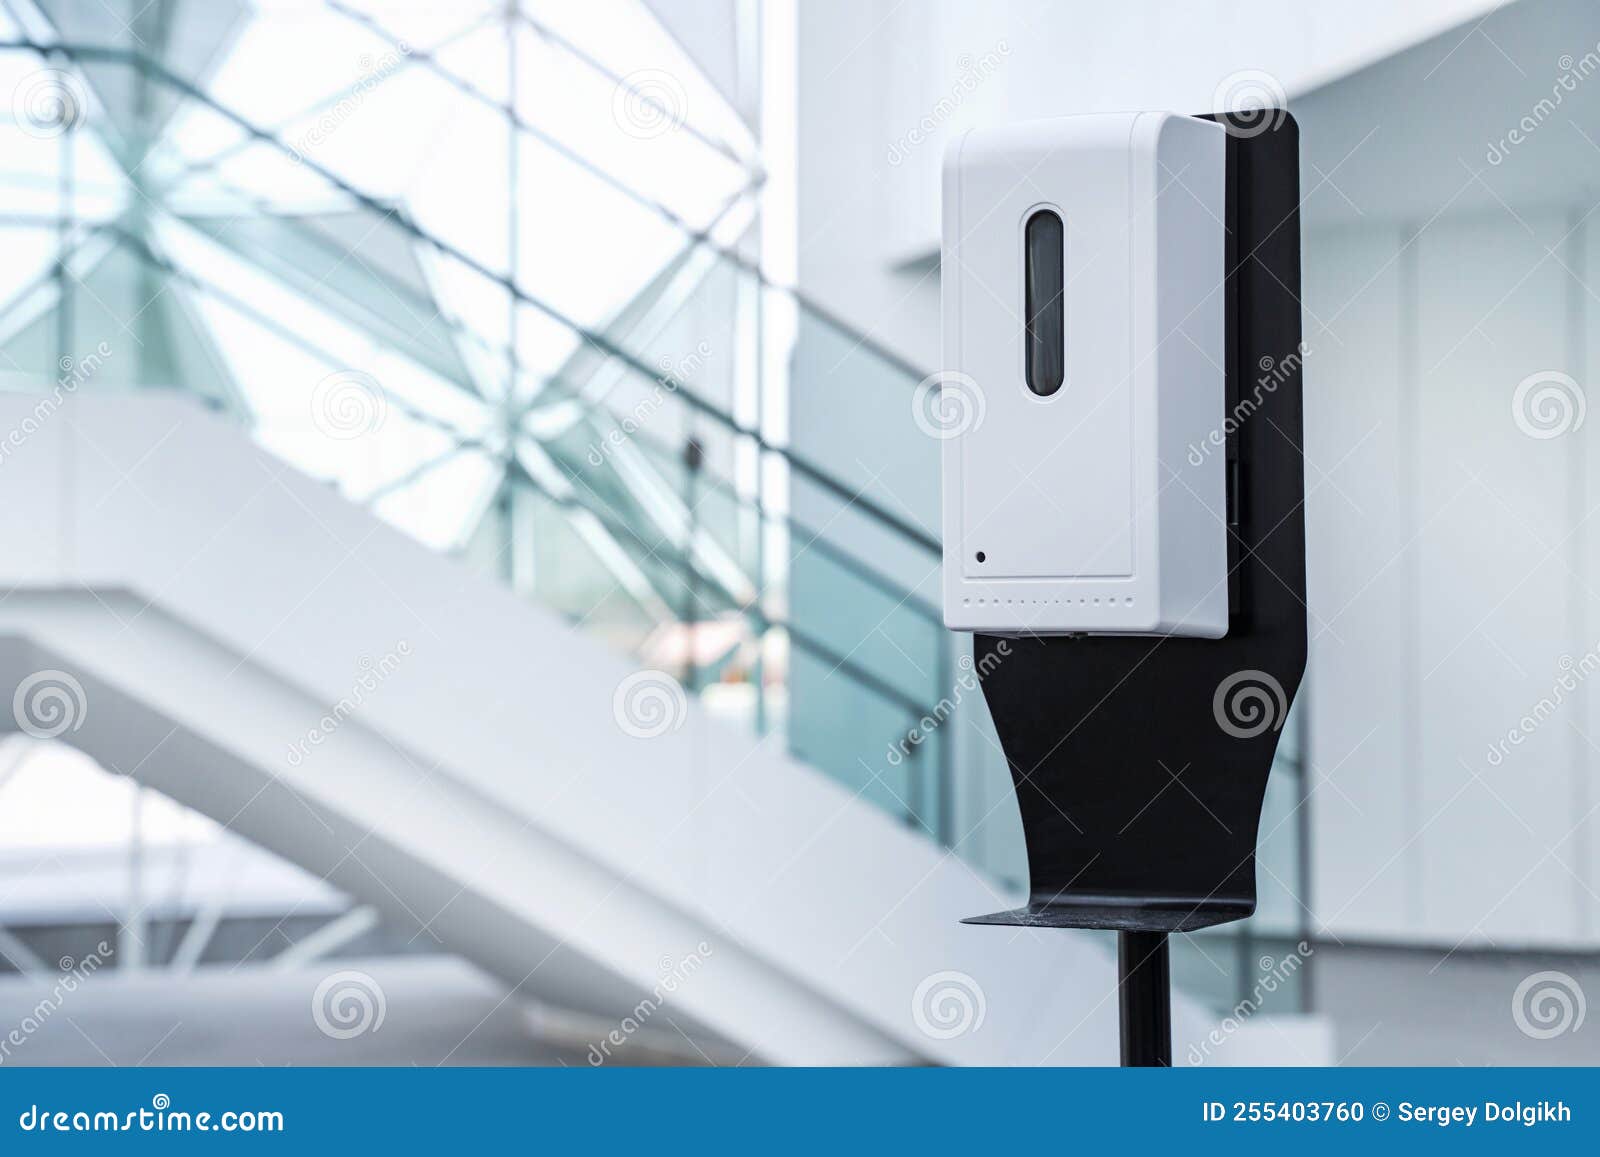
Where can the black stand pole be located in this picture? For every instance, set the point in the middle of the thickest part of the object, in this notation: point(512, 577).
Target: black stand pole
point(1144, 992)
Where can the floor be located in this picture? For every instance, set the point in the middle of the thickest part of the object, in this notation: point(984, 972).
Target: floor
point(421, 1010)
point(1434, 1006)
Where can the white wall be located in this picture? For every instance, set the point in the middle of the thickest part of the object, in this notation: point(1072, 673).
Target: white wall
point(873, 73)
point(1451, 581)
point(1453, 573)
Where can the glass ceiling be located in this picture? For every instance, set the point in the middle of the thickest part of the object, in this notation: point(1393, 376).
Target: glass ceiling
point(486, 269)
point(302, 256)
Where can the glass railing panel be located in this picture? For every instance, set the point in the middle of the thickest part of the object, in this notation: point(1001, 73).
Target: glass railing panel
point(842, 726)
point(1237, 976)
point(530, 541)
point(881, 452)
point(686, 329)
point(356, 263)
point(890, 678)
point(673, 512)
point(1281, 876)
point(1278, 869)
point(895, 638)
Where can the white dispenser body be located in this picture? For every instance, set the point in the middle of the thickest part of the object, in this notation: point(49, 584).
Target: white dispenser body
point(1084, 472)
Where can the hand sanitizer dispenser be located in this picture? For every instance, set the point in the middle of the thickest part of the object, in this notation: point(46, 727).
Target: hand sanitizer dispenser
point(1124, 497)
point(1082, 281)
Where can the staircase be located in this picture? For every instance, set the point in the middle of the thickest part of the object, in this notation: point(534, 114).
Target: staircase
point(478, 769)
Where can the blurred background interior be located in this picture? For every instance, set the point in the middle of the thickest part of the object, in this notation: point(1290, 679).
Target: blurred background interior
point(644, 290)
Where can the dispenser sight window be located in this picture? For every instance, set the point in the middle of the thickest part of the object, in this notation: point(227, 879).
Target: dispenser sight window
point(1044, 272)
